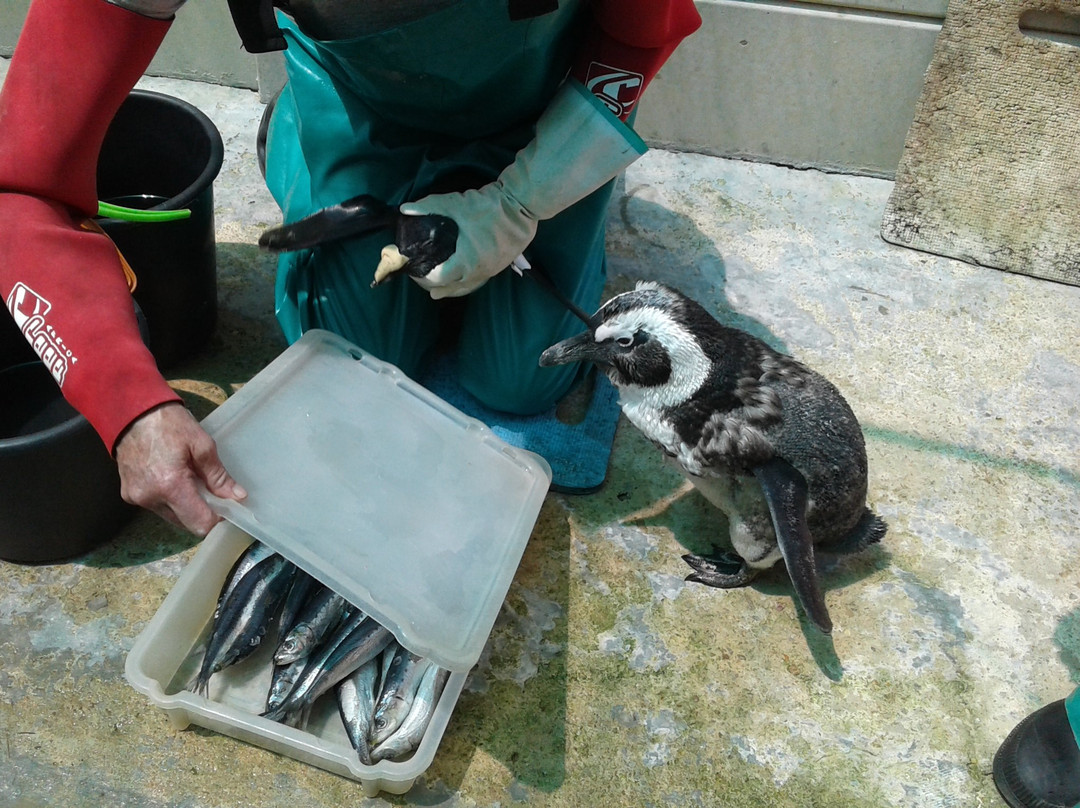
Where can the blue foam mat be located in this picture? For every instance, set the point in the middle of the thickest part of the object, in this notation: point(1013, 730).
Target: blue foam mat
point(577, 453)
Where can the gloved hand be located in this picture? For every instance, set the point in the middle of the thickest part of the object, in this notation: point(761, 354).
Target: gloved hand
point(579, 146)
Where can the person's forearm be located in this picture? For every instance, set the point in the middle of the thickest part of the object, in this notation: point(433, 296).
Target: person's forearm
point(74, 64)
point(66, 291)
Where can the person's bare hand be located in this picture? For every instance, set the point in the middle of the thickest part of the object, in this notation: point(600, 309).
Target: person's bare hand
point(161, 455)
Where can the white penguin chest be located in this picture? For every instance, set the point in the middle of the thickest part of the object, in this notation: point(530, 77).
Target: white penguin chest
point(653, 425)
point(650, 421)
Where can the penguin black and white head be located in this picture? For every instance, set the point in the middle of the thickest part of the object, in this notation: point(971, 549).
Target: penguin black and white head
point(671, 361)
point(767, 440)
point(640, 339)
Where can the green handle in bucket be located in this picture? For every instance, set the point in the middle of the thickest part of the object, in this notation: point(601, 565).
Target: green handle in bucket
point(111, 211)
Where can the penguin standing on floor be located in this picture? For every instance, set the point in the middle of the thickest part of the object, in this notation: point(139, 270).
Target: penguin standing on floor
point(764, 438)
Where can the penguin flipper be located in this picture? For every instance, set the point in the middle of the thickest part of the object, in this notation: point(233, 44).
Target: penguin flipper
point(786, 493)
point(352, 217)
point(717, 570)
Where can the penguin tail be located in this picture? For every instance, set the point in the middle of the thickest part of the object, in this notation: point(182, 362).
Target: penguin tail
point(870, 529)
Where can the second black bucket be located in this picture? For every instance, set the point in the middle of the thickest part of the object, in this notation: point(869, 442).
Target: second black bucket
point(59, 488)
point(162, 153)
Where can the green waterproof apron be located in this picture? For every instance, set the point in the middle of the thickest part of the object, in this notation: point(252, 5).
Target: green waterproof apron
point(406, 112)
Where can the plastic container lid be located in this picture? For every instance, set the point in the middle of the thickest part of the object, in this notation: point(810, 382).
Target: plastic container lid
point(408, 508)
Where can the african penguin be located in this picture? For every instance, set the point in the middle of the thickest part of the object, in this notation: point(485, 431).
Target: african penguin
point(767, 440)
point(421, 243)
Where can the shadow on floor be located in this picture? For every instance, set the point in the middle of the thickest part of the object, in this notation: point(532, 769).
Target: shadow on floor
point(514, 705)
point(647, 241)
point(702, 529)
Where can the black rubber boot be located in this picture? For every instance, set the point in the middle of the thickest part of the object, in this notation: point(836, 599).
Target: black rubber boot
point(1038, 765)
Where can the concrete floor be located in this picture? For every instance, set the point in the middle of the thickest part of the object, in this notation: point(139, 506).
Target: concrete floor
point(608, 680)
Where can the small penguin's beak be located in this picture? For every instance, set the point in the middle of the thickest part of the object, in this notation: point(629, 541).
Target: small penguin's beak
point(582, 348)
point(390, 261)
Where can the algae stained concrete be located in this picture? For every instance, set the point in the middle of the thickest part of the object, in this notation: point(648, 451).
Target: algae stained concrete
point(608, 680)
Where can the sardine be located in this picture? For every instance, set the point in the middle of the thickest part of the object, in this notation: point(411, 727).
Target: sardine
point(387, 660)
point(407, 737)
point(245, 616)
point(313, 665)
point(302, 587)
point(299, 717)
point(282, 680)
point(356, 704)
point(358, 640)
point(321, 613)
point(255, 552)
point(397, 693)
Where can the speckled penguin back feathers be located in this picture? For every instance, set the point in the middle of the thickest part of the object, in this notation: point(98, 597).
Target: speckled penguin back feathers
point(756, 431)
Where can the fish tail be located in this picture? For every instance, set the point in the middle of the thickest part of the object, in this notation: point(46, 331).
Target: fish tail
point(363, 751)
point(277, 714)
point(200, 683)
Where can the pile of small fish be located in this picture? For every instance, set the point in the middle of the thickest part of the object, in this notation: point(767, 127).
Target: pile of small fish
point(386, 695)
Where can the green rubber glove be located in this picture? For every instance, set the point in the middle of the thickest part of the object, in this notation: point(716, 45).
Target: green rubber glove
point(578, 147)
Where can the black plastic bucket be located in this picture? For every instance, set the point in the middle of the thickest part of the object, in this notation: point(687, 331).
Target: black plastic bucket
point(14, 349)
point(161, 153)
point(59, 488)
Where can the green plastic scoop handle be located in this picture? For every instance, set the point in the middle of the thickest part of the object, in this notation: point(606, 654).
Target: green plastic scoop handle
point(112, 211)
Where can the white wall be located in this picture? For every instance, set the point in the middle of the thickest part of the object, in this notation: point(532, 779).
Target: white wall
point(797, 84)
point(826, 84)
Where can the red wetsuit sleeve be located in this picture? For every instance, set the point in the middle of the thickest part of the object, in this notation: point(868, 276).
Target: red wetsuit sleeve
point(74, 64)
point(626, 44)
point(66, 290)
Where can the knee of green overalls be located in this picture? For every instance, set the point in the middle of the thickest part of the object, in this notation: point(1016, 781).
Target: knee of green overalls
point(330, 288)
point(498, 354)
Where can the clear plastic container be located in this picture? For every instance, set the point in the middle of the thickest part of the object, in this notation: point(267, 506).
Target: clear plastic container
point(411, 510)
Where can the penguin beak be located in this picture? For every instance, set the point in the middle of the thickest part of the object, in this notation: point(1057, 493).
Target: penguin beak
point(582, 348)
point(391, 261)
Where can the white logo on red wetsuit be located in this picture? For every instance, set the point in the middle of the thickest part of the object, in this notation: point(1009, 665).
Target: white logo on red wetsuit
point(29, 310)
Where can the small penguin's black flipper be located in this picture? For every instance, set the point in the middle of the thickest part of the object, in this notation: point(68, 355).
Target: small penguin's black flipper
point(786, 493)
point(353, 217)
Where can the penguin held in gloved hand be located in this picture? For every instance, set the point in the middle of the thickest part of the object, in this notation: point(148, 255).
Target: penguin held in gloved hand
point(421, 243)
point(770, 442)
